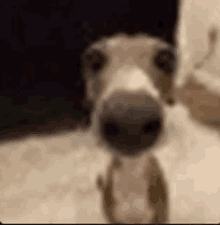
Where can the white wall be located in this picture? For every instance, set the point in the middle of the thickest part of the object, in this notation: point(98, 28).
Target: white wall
point(200, 88)
point(196, 19)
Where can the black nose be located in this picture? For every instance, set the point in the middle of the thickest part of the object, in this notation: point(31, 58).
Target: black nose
point(130, 123)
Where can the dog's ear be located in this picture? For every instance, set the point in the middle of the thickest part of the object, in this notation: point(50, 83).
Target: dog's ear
point(86, 108)
point(165, 62)
point(158, 191)
point(93, 60)
point(99, 183)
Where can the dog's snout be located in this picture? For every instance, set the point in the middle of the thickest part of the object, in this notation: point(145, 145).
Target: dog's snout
point(130, 123)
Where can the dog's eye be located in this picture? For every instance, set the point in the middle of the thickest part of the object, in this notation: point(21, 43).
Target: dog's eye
point(95, 59)
point(165, 60)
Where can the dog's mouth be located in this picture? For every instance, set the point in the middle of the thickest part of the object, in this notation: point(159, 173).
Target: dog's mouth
point(130, 140)
point(112, 129)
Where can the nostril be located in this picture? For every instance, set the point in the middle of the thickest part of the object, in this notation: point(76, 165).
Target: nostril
point(151, 127)
point(112, 129)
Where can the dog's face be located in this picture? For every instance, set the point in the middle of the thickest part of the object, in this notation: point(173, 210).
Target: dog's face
point(129, 79)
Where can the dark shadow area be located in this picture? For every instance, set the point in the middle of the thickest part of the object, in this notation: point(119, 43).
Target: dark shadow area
point(41, 88)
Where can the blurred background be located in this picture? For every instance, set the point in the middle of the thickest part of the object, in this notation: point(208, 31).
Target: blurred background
point(41, 88)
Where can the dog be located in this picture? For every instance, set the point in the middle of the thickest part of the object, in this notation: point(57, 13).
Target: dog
point(152, 139)
point(129, 79)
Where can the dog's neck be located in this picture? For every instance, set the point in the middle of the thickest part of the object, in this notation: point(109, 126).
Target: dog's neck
point(135, 166)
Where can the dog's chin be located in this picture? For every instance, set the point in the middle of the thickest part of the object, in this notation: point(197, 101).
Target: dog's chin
point(129, 152)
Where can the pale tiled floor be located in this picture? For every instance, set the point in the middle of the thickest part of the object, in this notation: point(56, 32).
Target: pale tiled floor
point(50, 180)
